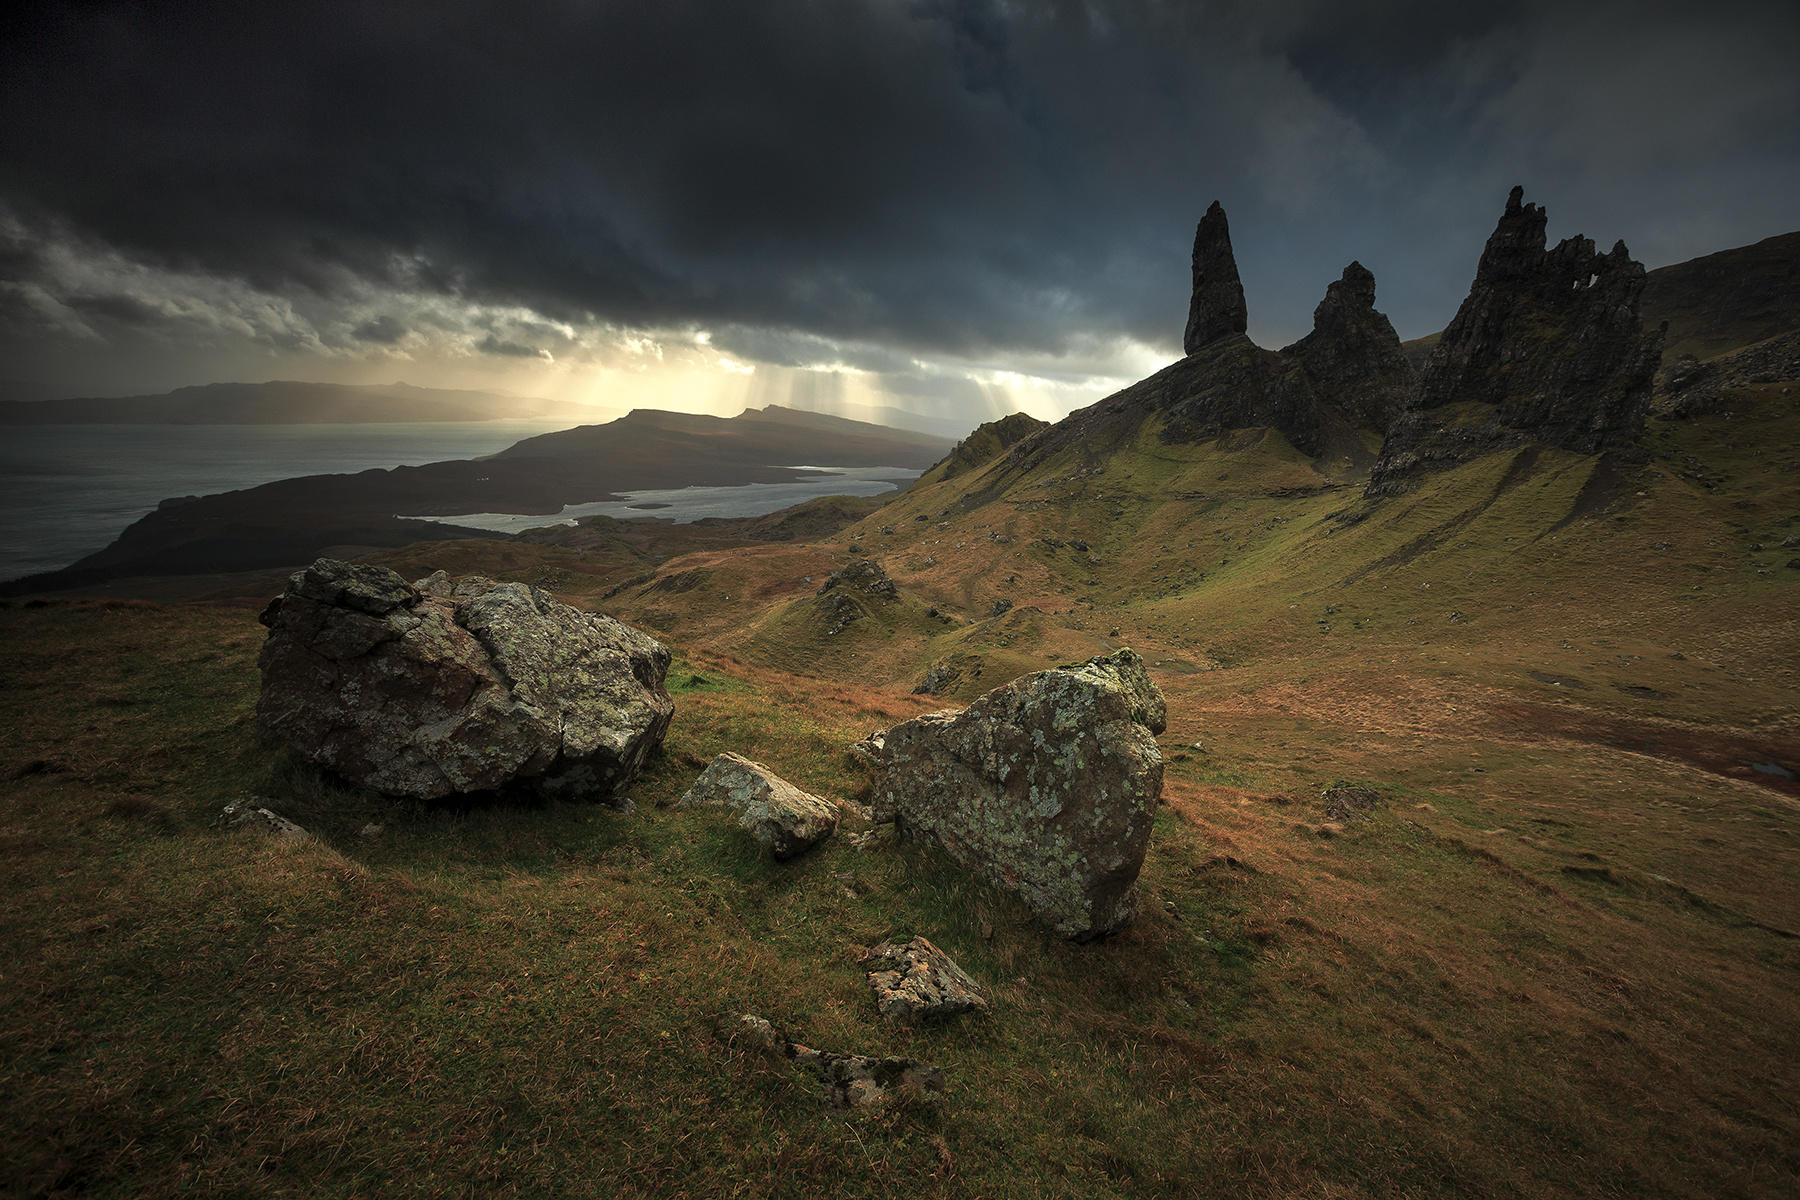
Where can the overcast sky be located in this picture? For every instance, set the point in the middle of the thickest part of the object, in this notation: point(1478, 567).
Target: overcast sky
point(949, 205)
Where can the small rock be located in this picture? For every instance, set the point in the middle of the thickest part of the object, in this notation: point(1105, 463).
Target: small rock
point(914, 981)
point(370, 831)
point(1351, 802)
point(850, 1080)
point(249, 812)
point(872, 839)
point(871, 752)
point(777, 814)
point(999, 606)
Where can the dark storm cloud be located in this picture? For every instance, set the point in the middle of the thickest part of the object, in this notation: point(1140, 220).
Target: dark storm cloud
point(128, 310)
point(494, 344)
point(937, 176)
point(382, 330)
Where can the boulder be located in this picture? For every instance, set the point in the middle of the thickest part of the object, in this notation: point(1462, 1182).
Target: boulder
point(779, 815)
point(914, 981)
point(452, 687)
point(1047, 786)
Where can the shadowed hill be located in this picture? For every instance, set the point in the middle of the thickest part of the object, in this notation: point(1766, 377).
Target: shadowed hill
point(292, 520)
point(1727, 300)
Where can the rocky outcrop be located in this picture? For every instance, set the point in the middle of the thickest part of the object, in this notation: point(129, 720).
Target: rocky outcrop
point(1548, 347)
point(849, 595)
point(1217, 309)
point(914, 981)
point(866, 576)
point(451, 687)
point(1348, 374)
point(1047, 786)
point(1352, 358)
point(985, 443)
point(779, 815)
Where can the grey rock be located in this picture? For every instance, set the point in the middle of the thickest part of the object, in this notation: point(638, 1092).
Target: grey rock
point(938, 679)
point(458, 687)
point(871, 751)
point(250, 812)
point(915, 981)
point(777, 814)
point(1047, 786)
point(849, 1081)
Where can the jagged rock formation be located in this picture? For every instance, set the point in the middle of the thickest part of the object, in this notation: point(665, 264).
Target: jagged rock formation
point(779, 815)
point(1549, 345)
point(1349, 374)
point(1217, 309)
point(1352, 358)
point(446, 687)
point(1046, 786)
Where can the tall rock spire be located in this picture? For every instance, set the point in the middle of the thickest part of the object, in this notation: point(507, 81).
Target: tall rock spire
point(1217, 309)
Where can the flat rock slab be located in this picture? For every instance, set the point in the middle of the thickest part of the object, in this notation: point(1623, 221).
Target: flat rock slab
point(915, 981)
point(1047, 786)
point(779, 815)
point(450, 686)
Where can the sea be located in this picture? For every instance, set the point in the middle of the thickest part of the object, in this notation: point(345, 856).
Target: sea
point(66, 491)
point(692, 503)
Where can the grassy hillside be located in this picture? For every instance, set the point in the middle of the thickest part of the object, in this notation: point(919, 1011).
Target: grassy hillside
point(1559, 961)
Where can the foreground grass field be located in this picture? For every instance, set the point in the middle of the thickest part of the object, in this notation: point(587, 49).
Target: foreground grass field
point(1559, 960)
point(1548, 967)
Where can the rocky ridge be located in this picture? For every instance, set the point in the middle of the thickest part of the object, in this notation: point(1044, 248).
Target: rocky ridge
point(1548, 347)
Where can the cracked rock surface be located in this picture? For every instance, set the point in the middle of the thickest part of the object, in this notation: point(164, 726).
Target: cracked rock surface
point(779, 815)
point(915, 981)
point(450, 686)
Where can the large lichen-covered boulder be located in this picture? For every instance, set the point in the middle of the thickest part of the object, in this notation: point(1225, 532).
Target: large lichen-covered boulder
point(455, 686)
point(779, 815)
point(1047, 786)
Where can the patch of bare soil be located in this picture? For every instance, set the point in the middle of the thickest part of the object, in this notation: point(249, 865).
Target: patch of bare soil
point(1731, 755)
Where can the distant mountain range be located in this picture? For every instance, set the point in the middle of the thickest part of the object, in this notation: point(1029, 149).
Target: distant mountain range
point(292, 402)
